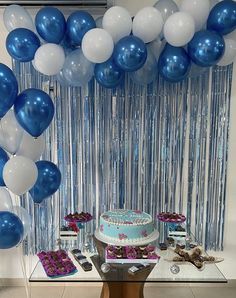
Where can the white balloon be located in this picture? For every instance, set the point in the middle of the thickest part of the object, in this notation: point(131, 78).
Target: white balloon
point(5, 200)
point(229, 54)
point(34, 66)
point(49, 59)
point(20, 174)
point(179, 29)
point(24, 216)
point(11, 133)
point(147, 24)
point(15, 16)
point(117, 21)
point(199, 10)
point(97, 45)
point(31, 147)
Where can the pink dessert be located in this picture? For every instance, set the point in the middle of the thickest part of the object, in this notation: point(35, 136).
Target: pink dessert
point(56, 263)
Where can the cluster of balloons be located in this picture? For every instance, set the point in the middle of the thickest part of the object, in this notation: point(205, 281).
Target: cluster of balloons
point(21, 131)
point(15, 221)
point(165, 38)
point(23, 119)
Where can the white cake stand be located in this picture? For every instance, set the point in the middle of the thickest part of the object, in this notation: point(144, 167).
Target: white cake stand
point(152, 237)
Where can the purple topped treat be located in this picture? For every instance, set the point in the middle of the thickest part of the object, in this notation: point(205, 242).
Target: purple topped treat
point(56, 263)
point(171, 217)
point(131, 252)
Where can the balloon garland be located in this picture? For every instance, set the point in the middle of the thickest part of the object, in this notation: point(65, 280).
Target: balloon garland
point(76, 49)
point(161, 39)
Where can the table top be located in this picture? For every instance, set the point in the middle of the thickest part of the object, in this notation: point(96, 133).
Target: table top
point(159, 272)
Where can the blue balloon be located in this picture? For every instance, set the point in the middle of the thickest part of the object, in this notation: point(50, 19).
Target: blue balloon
point(206, 48)
point(3, 160)
point(48, 181)
point(22, 44)
point(108, 74)
point(79, 23)
point(8, 89)
point(222, 17)
point(11, 230)
point(130, 53)
point(34, 110)
point(174, 64)
point(50, 24)
point(67, 45)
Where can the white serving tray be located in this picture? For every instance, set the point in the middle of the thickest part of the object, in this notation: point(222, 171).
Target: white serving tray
point(130, 261)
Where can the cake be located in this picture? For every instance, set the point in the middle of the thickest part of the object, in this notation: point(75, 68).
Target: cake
point(126, 225)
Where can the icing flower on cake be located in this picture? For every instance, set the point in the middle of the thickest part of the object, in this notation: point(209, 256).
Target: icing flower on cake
point(144, 233)
point(137, 211)
point(122, 236)
point(101, 228)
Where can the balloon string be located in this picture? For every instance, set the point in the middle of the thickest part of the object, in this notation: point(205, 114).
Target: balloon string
point(23, 267)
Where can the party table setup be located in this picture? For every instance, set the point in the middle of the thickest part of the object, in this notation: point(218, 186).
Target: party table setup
point(124, 265)
point(114, 140)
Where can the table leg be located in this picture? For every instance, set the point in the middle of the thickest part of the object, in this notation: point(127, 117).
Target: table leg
point(122, 290)
point(133, 290)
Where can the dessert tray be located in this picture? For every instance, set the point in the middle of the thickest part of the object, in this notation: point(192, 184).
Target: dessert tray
point(56, 263)
point(140, 242)
point(195, 256)
point(170, 217)
point(131, 254)
point(78, 217)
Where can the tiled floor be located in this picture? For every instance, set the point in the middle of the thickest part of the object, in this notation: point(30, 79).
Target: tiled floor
point(94, 292)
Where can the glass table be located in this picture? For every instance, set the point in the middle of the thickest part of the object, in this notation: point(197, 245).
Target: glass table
point(119, 283)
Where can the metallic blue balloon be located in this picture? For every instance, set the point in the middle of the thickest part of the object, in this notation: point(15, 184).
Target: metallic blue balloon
point(34, 111)
point(48, 181)
point(174, 64)
point(206, 48)
point(222, 17)
point(130, 53)
point(50, 24)
point(11, 230)
point(3, 160)
point(108, 74)
point(8, 89)
point(78, 24)
point(22, 44)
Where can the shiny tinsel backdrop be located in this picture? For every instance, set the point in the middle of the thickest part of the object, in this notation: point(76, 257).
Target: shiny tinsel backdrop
point(122, 120)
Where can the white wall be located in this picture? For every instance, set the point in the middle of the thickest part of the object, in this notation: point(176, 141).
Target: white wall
point(10, 265)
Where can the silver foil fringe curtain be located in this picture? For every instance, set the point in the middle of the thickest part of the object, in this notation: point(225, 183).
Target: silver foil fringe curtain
point(163, 147)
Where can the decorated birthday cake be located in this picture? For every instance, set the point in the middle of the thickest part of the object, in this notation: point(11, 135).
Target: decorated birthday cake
point(126, 225)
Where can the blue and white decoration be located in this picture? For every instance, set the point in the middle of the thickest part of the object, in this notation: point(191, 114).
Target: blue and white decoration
point(133, 114)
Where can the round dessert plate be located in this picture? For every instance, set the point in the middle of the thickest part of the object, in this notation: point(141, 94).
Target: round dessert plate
point(152, 237)
point(180, 218)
